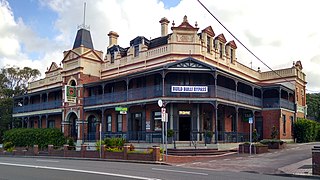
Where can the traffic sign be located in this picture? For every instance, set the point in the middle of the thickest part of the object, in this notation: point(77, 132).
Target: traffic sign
point(250, 120)
point(163, 114)
point(119, 108)
point(160, 103)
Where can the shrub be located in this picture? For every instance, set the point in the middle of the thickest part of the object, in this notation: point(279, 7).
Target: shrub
point(306, 130)
point(98, 144)
point(274, 132)
point(170, 133)
point(114, 142)
point(23, 137)
point(267, 141)
point(8, 145)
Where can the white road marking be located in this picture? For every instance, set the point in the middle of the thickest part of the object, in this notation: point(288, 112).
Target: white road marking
point(180, 164)
point(226, 159)
point(213, 161)
point(239, 158)
point(196, 163)
point(78, 170)
point(186, 172)
point(39, 160)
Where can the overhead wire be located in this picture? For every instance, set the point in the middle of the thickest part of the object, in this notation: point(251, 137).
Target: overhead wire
point(242, 43)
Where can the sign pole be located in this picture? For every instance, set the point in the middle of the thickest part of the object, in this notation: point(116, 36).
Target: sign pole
point(100, 129)
point(163, 134)
point(166, 122)
point(250, 122)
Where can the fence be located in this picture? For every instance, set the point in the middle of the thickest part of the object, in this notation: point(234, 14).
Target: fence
point(85, 151)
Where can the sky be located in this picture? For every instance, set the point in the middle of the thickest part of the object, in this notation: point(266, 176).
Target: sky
point(35, 33)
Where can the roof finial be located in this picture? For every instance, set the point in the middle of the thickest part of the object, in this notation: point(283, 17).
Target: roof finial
point(185, 19)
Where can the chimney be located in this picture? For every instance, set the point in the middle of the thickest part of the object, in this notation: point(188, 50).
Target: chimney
point(113, 37)
point(164, 26)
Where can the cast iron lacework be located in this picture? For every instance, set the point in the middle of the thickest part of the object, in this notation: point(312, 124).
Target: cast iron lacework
point(189, 65)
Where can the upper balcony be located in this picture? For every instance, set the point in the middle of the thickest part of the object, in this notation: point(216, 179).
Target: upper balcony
point(20, 108)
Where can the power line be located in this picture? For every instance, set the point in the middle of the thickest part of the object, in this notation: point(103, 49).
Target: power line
point(242, 43)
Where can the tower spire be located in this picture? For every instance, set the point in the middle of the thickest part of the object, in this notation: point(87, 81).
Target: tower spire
point(83, 25)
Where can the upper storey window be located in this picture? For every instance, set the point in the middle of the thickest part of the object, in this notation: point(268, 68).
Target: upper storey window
point(231, 55)
point(221, 50)
point(208, 44)
point(136, 51)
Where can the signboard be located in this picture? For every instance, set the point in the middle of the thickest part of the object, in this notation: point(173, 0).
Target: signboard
point(123, 112)
point(246, 117)
point(119, 108)
point(70, 94)
point(185, 113)
point(147, 125)
point(196, 89)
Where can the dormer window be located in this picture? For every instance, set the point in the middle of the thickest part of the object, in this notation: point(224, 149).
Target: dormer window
point(231, 55)
point(136, 51)
point(208, 44)
point(221, 50)
point(112, 57)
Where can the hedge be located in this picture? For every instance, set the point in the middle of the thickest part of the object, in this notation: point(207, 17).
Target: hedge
point(27, 137)
point(306, 130)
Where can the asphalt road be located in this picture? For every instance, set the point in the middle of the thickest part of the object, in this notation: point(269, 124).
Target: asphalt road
point(12, 168)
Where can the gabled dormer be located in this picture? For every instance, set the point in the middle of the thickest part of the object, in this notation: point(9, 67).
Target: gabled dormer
point(53, 70)
point(231, 51)
point(219, 44)
point(139, 44)
point(207, 36)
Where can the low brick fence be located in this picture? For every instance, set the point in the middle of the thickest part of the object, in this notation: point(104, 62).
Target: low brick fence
point(150, 154)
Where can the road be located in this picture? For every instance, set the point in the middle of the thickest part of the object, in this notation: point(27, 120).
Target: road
point(13, 168)
point(267, 163)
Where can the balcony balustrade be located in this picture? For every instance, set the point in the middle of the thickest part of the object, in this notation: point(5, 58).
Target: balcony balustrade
point(225, 93)
point(37, 107)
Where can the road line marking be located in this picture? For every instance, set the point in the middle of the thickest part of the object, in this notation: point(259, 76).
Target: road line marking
point(196, 163)
point(78, 170)
point(213, 161)
point(239, 158)
point(226, 159)
point(180, 164)
point(186, 172)
point(46, 160)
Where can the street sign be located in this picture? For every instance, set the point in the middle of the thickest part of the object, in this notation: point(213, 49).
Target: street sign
point(163, 114)
point(119, 108)
point(250, 120)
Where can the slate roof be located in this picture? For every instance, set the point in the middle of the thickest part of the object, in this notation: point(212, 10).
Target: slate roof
point(83, 38)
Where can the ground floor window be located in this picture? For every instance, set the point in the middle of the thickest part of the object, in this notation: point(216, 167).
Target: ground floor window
point(51, 124)
point(157, 121)
point(284, 123)
point(292, 121)
point(109, 125)
point(119, 123)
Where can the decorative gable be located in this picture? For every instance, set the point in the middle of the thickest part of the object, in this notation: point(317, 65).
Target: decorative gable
point(53, 67)
point(221, 38)
point(70, 55)
point(185, 25)
point(209, 31)
point(190, 64)
point(232, 44)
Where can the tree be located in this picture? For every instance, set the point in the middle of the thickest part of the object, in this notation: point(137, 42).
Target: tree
point(13, 82)
point(313, 103)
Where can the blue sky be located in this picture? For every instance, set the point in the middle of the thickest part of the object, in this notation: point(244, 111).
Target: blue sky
point(36, 32)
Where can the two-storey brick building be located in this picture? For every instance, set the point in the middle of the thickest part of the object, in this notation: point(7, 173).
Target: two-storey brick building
point(195, 73)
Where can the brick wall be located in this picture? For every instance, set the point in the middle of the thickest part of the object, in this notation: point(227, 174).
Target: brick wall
point(270, 118)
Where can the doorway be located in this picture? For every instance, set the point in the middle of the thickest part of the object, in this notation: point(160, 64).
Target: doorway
point(184, 128)
point(259, 127)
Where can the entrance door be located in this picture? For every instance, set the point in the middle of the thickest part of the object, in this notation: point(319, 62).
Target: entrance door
point(136, 126)
point(91, 128)
point(184, 128)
